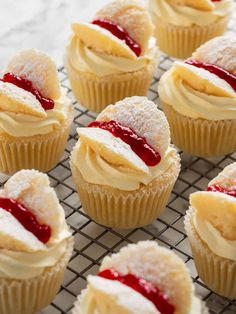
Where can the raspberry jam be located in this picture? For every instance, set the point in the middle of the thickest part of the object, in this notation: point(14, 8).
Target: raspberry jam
point(120, 33)
point(26, 218)
point(138, 144)
point(147, 289)
point(220, 72)
point(27, 85)
point(218, 188)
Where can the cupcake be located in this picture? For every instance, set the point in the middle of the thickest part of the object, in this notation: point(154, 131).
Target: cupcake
point(142, 278)
point(112, 57)
point(35, 243)
point(199, 99)
point(210, 224)
point(183, 25)
point(35, 114)
point(123, 165)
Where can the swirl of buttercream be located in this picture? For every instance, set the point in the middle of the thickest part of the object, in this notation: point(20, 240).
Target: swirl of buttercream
point(182, 15)
point(174, 91)
point(85, 59)
point(18, 125)
point(97, 170)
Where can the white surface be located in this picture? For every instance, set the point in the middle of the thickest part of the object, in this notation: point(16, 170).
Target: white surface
point(43, 24)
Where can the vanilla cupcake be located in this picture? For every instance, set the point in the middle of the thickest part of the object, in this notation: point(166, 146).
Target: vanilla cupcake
point(183, 25)
point(123, 165)
point(142, 278)
point(199, 99)
point(112, 57)
point(210, 224)
point(35, 114)
point(35, 243)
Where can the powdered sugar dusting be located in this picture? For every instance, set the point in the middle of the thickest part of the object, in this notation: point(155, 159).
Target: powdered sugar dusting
point(31, 189)
point(15, 99)
point(158, 265)
point(132, 16)
point(111, 148)
point(115, 7)
point(220, 51)
point(142, 116)
point(39, 68)
point(112, 292)
point(14, 237)
point(226, 178)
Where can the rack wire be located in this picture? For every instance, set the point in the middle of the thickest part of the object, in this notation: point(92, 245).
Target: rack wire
point(93, 242)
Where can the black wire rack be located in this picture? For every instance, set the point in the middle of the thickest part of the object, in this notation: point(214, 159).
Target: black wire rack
point(93, 242)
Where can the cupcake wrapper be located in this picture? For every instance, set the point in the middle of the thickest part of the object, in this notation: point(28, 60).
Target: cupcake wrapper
point(76, 308)
point(201, 137)
point(218, 273)
point(181, 42)
point(32, 295)
point(95, 93)
point(41, 152)
point(122, 209)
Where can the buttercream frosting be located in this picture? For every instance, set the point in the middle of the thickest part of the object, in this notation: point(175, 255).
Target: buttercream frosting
point(17, 125)
point(25, 265)
point(176, 92)
point(97, 170)
point(88, 304)
point(22, 254)
point(212, 237)
point(85, 59)
point(183, 15)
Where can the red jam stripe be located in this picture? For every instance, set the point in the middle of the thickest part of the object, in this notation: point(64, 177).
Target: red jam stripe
point(138, 144)
point(27, 85)
point(120, 33)
point(26, 218)
point(218, 188)
point(220, 72)
point(144, 287)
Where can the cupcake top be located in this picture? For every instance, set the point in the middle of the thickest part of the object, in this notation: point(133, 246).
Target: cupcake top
point(141, 278)
point(127, 145)
point(32, 101)
point(33, 230)
point(215, 213)
point(190, 12)
point(118, 40)
point(204, 86)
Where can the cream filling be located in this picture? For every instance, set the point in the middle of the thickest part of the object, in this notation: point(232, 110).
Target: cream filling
point(88, 304)
point(24, 265)
point(84, 59)
point(187, 16)
point(196, 307)
point(212, 237)
point(176, 92)
point(17, 125)
point(97, 170)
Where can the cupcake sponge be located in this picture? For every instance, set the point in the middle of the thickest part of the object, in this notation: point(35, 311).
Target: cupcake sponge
point(18, 100)
point(226, 178)
point(205, 5)
point(142, 116)
point(217, 208)
point(39, 68)
point(130, 15)
point(159, 266)
point(220, 51)
point(32, 189)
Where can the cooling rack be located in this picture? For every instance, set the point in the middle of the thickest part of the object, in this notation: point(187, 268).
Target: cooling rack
point(93, 241)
